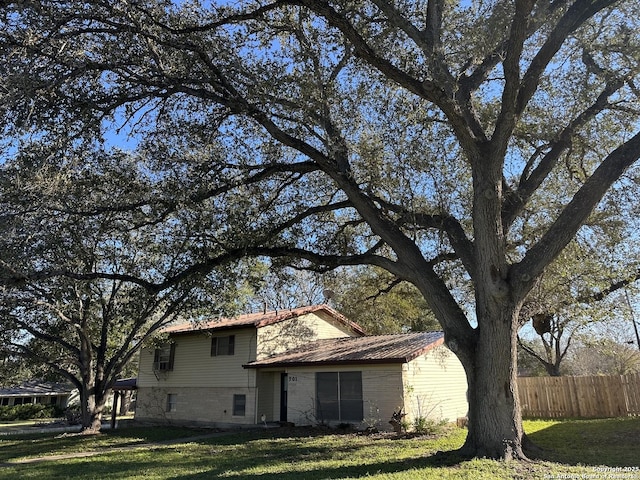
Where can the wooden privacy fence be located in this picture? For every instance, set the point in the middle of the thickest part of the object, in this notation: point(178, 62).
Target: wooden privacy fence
point(580, 397)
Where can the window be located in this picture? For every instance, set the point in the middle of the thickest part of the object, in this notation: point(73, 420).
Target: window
point(239, 405)
point(5, 401)
point(339, 396)
point(172, 402)
point(164, 356)
point(223, 345)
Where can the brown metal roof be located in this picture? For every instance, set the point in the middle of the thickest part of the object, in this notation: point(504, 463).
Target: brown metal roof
point(401, 348)
point(260, 320)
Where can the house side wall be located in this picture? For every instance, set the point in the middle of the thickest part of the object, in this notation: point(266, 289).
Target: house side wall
point(203, 385)
point(195, 367)
point(288, 334)
point(435, 386)
point(194, 405)
point(381, 393)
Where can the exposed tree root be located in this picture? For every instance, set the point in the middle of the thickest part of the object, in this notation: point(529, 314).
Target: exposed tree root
point(508, 451)
point(89, 431)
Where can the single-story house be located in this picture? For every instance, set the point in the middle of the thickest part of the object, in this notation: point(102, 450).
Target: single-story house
point(306, 366)
point(46, 393)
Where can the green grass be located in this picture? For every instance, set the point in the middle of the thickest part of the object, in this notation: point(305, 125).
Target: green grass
point(572, 449)
point(18, 423)
point(8, 424)
point(611, 442)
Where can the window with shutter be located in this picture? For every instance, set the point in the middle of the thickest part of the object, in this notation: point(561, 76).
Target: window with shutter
point(164, 357)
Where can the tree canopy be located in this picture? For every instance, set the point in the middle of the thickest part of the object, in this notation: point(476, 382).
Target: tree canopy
point(578, 292)
point(82, 291)
point(424, 137)
point(381, 303)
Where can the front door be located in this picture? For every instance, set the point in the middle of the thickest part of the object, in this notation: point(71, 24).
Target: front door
point(284, 387)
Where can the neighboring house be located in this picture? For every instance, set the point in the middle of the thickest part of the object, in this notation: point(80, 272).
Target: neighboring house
point(45, 393)
point(305, 366)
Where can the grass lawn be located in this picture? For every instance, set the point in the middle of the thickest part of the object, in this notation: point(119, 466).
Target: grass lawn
point(594, 449)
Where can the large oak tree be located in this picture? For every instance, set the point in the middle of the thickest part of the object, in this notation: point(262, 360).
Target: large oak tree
point(416, 136)
point(85, 277)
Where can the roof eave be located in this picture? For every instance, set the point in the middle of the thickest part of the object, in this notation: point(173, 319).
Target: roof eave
point(277, 318)
point(308, 363)
point(211, 329)
point(359, 361)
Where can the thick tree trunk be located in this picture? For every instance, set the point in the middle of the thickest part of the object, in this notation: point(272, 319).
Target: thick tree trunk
point(91, 414)
point(92, 407)
point(553, 369)
point(495, 420)
point(92, 399)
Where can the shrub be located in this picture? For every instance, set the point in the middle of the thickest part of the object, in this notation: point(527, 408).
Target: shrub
point(73, 416)
point(427, 426)
point(29, 411)
point(345, 427)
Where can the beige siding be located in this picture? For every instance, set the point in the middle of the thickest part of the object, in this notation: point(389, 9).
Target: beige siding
point(289, 334)
point(381, 393)
point(301, 395)
point(329, 327)
point(269, 396)
point(195, 367)
point(205, 385)
point(194, 405)
point(435, 386)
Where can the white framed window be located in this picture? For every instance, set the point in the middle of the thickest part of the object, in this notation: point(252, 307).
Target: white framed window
point(172, 402)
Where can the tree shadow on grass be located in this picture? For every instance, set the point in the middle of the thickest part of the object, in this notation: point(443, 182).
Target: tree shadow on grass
point(299, 470)
point(295, 458)
point(318, 455)
point(610, 442)
point(228, 458)
point(208, 468)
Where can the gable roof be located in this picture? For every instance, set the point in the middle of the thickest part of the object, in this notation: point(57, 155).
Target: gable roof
point(262, 319)
point(37, 388)
point(401, 348)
